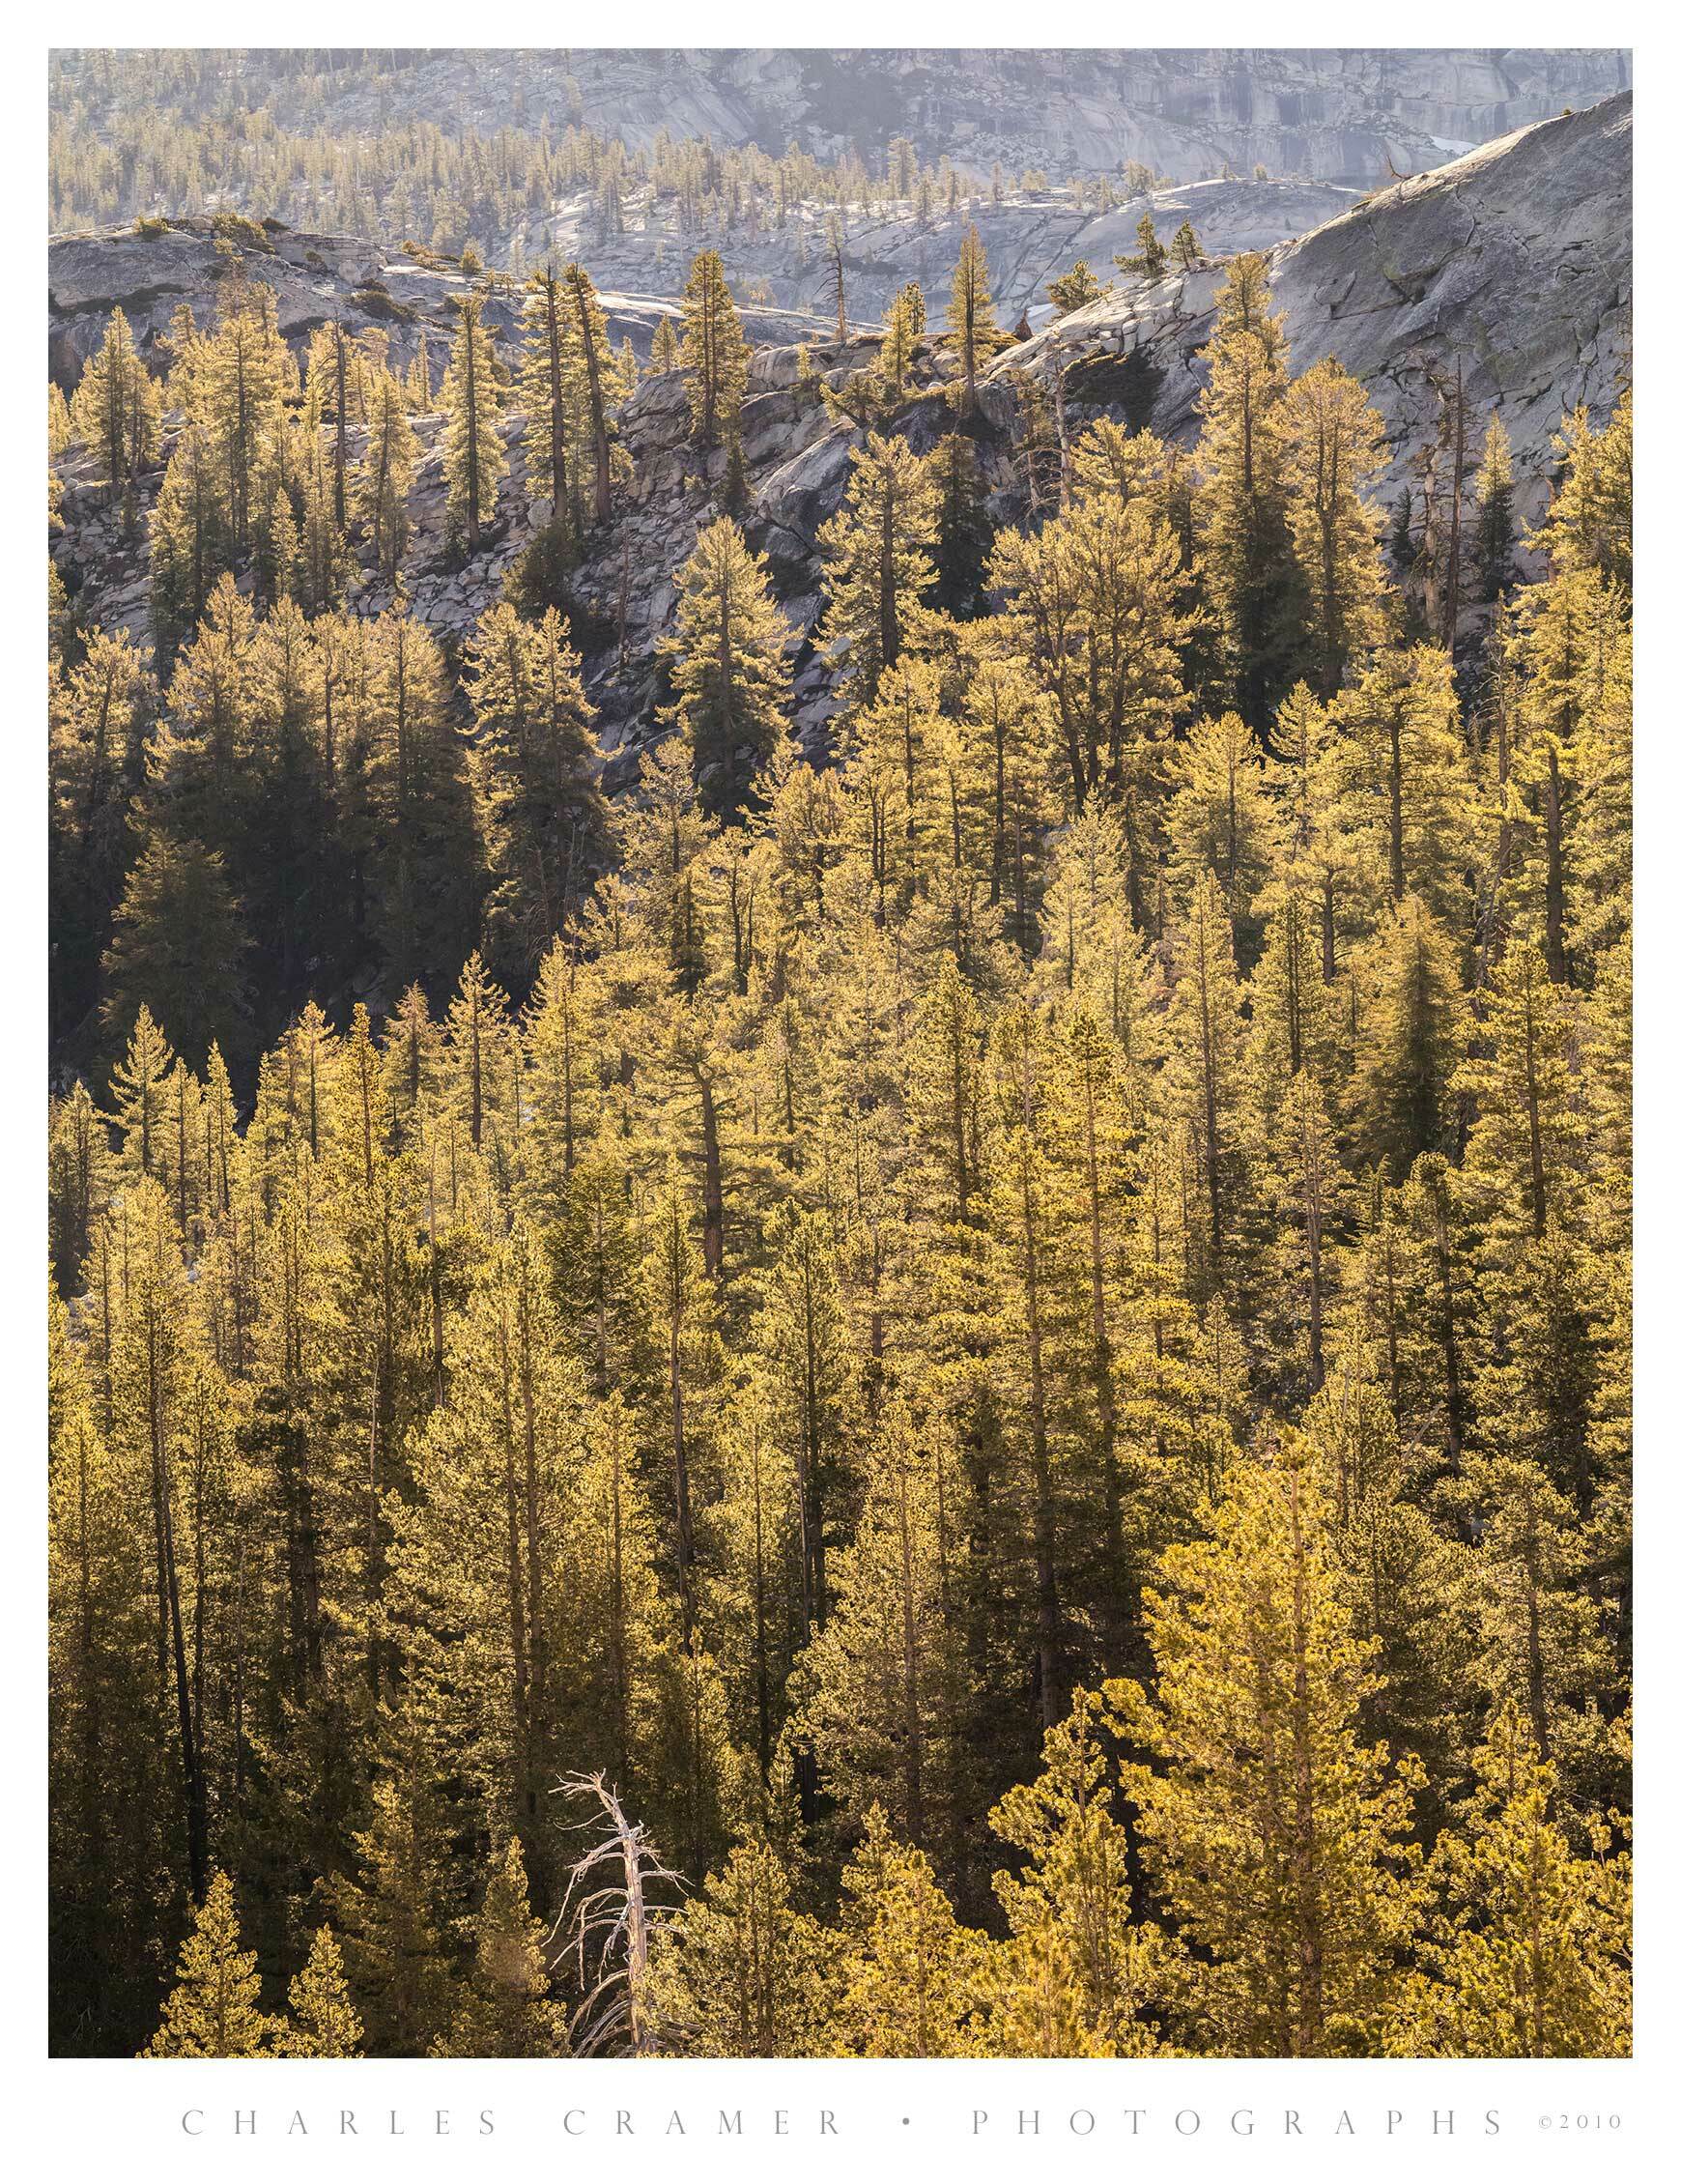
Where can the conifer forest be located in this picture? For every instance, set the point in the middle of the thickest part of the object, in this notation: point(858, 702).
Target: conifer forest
point(885, 1313)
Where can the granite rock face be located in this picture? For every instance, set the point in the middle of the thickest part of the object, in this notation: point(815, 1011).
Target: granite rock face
point(1334, 115)
point(1337, 114)
point(1514, 260)
point(1030, 238)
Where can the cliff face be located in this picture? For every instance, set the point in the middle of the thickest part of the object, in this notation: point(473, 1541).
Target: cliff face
point(1331, 114)
point(1515, 260)
point(1336, 115)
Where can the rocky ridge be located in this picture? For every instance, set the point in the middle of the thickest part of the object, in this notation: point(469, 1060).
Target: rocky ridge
point(777, 276)
point(148, 274)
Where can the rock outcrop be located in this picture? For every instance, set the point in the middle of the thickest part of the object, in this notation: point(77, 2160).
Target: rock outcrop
point(623, 593)
point(1514, 261)
point(148, 274)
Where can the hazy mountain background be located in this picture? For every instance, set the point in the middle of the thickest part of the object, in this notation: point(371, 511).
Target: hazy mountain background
point(1327, 114)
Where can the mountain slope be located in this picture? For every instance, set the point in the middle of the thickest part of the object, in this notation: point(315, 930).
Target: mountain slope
point(1515, 260)
point(1341, 114)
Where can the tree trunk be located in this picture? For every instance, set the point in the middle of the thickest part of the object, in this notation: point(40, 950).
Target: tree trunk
point(557, 395)
point(1558, 960)
point(470, 398)
point(597, 407)
point(712, 1187)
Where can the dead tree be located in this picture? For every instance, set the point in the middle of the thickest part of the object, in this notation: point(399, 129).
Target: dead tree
point(607, 1922)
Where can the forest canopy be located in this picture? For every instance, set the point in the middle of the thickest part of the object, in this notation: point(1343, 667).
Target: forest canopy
point(981, 1362)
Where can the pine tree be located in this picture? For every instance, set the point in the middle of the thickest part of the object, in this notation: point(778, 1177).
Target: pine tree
point(714, 352)
point(177, 946)
point(907, 1976)
point(112, 1847)
point(215, 2008)
point(739, 1971)
point(969, 320)
point(601, 385)
point(1077, 1975)
point(1220, 821)
point(548, 379)
point(78, 1164)
point(385, 473)
point(1075, 288)
point(1245, 505)
point(965, 530)
point(750, 1570)
point(1332, 451)
point(888, 1703)
point(422, 862)
point(806, 1367)
point(835, 273)
point(1208, 1089)
point(540, 812)
point(328, 390)
point(1404, 779)
point(729, 672)
point(99, 718)
point(417, 385)
point(878, 566)
point(324, 2019)
point(907, 321)
point(1277, 1838)
point(1561, 718)
point(1527, 1952)
point(474, 462)
point(1527, 1144)
point(736, 496)
point(1150, 259)
point(1495, 529)
point(319, 547)
point(60, 430)
point(1100, 591)
point(1589, 524)
point(480, 1059)
point(504, 2009)
point(239, 380)
point(1414, 1040)
point(1540, 1638)
point(117, 409)
point(1020, 1222)
point(191, 539)
point(389, 1912)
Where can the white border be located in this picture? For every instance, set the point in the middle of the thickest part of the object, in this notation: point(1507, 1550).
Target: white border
point(77, 2120)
